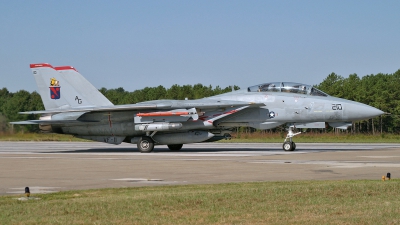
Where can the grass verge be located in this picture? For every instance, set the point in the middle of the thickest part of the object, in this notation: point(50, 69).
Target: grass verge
point(296, 202)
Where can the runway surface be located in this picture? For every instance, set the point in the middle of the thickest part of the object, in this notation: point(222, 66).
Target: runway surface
point(54, 166)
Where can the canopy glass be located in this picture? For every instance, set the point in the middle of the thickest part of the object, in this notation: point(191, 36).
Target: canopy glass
point(287, 87)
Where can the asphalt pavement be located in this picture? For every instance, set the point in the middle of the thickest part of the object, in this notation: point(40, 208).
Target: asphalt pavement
point(55, 166)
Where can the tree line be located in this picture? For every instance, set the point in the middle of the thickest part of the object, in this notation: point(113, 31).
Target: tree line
point(380, 90)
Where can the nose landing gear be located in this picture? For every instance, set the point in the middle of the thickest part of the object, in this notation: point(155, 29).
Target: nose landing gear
point(290, 145)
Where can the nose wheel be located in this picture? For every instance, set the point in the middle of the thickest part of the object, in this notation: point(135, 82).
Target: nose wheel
point(290, 145)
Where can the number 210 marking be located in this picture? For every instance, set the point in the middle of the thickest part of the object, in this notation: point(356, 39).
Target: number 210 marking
point(336, 106)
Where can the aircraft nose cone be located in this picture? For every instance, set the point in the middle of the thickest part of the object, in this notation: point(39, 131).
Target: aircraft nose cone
point(361, 111)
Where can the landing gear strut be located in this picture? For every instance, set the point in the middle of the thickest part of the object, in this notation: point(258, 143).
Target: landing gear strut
point(290, 145)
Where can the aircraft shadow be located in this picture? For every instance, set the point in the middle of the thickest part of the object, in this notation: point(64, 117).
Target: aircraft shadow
point(160, 150)
point(195, 150)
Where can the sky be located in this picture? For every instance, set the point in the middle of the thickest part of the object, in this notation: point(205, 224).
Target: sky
point(138, 44)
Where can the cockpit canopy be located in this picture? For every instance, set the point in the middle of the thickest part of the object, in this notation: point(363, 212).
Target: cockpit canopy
point(287, 87)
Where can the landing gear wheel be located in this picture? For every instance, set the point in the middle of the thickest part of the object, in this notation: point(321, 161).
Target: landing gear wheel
point(175, 147)
point(293, 146)
point(227, 136)
point(145, 144)
point(288, 146)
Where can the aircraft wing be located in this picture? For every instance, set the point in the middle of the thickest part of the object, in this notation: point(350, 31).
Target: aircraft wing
point(52, 122)
point(153, 105)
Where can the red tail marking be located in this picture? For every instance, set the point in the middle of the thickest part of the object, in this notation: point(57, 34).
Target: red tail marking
point(65, 68)
point(41, 65)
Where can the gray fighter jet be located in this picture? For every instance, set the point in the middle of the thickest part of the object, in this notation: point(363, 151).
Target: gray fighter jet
point(74, 106)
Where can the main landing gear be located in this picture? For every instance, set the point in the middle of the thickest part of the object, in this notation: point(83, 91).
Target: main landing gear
point(290, 145)
point(145, 144)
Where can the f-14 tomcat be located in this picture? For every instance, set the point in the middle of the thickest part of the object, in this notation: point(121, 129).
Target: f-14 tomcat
point(74, 106)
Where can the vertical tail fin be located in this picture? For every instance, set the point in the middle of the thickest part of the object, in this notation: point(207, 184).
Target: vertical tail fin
point(64, 87)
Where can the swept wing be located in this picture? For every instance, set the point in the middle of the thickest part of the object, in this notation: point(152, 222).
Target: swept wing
point(152, 105)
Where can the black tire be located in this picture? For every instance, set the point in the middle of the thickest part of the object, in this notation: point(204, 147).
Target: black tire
point(176, 147)
point(287, 146)
point(145, 144)
point(293, 146)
